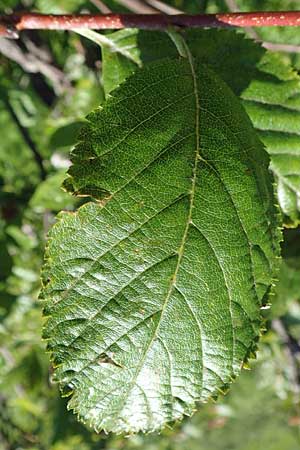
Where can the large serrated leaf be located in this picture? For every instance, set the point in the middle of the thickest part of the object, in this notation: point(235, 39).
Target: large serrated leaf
point(153, 292)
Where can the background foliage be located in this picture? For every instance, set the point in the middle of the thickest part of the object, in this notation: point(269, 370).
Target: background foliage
point(41, 109)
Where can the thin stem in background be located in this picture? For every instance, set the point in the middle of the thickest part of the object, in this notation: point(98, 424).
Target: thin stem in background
point(101, 6)
point(28, 140)
point(292, 348)
point(137, 6)
point(164, 7)
point(32, 63)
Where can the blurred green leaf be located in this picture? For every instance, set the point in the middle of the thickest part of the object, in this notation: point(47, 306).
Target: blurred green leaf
point(65, 136)
point(49, 194)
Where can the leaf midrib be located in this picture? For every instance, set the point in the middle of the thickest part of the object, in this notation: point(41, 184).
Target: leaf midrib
point(185, 233)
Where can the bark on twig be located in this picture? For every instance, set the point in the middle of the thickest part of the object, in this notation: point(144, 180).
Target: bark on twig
point(10, 25)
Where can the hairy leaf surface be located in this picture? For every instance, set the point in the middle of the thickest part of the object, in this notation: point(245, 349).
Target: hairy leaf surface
point(153, 292)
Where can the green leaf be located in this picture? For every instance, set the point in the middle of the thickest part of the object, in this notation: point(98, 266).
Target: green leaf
point(49, 194)
point(18, 170)
point(273, 104)
point(65, 136)
point(288, 287)
point(128, 49)
point(59, 6)
point(232, 56)
point(268, 84)
point(153, 292)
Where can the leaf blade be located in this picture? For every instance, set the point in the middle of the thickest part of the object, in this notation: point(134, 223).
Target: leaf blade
point(154, 296)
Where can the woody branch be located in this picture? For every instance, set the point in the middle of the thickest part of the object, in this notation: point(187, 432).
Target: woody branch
point(10, 25)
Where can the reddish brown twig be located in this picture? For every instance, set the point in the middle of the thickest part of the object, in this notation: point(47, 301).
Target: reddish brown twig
point(10, 25)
